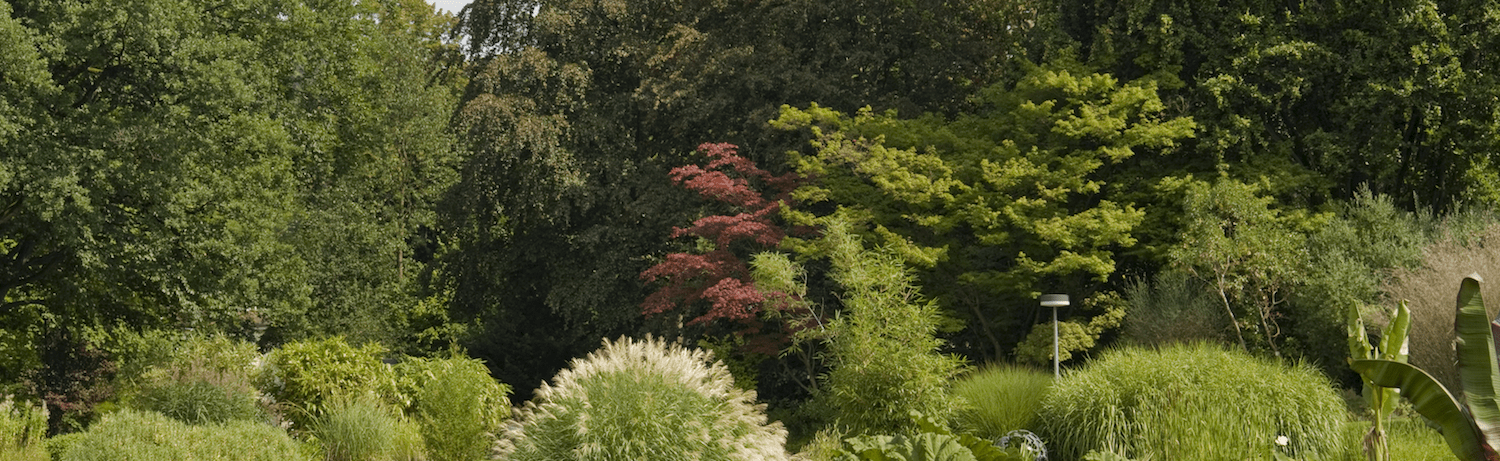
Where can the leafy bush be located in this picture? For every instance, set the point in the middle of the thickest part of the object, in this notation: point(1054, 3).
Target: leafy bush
point(931, 442)
point(201, 397)
point(884, 350)
point(458, 406)
point(1001, 399)
point(643, 400)
point(305, 374)
point(1195, 401)
point(1173, 308)
point(363, 429)
point(23, 431)
point(136, 435)
point(1352, 256)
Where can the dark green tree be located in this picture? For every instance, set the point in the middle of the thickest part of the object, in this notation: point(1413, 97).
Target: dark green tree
point(577, 109)
point(176, 164)
point(1321, 98)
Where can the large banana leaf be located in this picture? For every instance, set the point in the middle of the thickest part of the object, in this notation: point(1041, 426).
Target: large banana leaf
point(1434, 402)
point(1393, 344)
point(1476, 360)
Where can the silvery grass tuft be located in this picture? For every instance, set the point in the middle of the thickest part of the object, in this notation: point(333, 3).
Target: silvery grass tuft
point(643, 400)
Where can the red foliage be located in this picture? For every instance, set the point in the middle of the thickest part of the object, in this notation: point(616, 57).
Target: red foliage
point(719, 278)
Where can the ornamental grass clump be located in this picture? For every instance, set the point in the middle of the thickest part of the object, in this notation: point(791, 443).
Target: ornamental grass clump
point(23, 431)
point(458, 407)
point(1001, 399)
point(137, 435)
point(643, 400)
point(1193, 401)
point(364, 429)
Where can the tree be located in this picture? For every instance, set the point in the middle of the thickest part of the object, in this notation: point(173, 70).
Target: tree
point(717, 275)
point(171, 164)
point(1237, 244)
point(999, 204)
point(577, 110)
point(1319, 98)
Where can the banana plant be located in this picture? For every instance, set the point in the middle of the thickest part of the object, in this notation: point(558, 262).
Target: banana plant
point(1472, 428)
point(1381, 400)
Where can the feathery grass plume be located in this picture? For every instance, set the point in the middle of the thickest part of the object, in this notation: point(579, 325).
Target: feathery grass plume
point(1001, 398)
point(643, 400)
point(1193, 401)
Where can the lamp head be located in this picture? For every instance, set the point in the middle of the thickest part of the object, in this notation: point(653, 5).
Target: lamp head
point(1054, 300)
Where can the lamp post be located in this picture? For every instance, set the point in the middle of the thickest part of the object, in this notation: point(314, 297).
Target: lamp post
point(1055, 301)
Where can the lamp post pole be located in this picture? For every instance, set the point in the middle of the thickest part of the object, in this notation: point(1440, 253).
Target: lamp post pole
point(1055, 301)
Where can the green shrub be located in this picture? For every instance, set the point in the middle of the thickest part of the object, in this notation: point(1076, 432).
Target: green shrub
point(458, 406)
point(1001, 399)
point(1193, 401)
point(884, 350)
point(23, 431)
point(643, 400)
point(304, 374)
point(200, 400)
point(364, 429)
point(1173, 308)
point(136, 435)
point(1352, 257)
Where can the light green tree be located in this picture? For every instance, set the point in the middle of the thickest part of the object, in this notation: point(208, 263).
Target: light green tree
point(997, 205)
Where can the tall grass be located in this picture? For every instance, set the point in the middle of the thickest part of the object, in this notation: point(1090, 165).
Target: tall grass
point(1193, 401)
point(23, 431)
point(200, 393)
point(1430, 291)
point(136, 435)
point(363, 429)
point(1001, 398)
point(1409, 439)
point(643, 400)
point(1172, 308)
point(458, 406)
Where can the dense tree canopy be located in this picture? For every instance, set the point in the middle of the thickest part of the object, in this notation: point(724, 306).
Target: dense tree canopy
point(180, 164)
point(532, 175)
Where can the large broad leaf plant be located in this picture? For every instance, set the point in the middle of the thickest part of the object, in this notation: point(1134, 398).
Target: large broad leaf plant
point(1471, 427)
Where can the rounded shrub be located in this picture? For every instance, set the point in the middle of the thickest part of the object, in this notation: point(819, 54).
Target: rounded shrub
point(303, 375)
point(458, 407)
point(200, 380)
point(137, 435)
point(200, 400)
point(1193, 401)
point(643, 400)
point(1001, 399)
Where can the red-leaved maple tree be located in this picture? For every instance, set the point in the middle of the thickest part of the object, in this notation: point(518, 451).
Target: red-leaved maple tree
point(719, 279)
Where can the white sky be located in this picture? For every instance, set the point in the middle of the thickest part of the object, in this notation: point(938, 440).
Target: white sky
point(451, 6)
